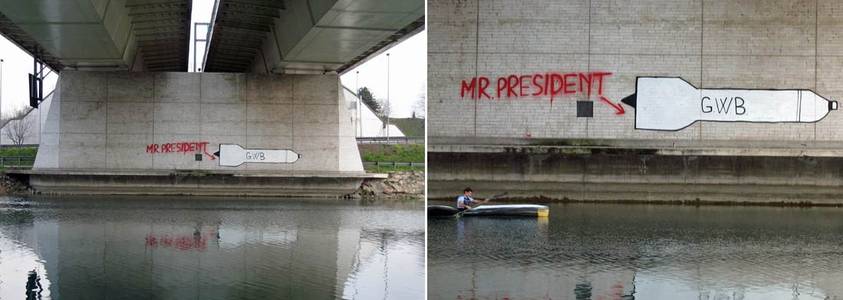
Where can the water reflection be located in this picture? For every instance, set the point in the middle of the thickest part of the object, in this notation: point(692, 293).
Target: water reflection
point(33, 286)
point(640, 252)
point(209, 249)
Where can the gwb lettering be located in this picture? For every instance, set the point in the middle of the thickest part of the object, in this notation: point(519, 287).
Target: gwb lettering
point(723, 106)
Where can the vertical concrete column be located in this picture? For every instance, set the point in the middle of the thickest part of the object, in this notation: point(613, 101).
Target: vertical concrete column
point(176, 121)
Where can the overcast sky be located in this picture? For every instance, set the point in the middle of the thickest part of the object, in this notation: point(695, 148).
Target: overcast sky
point(407, 71)
point(407, 75)
point(14, 93)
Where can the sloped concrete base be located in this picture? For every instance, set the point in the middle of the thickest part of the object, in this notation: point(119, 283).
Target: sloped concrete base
point(254, 183)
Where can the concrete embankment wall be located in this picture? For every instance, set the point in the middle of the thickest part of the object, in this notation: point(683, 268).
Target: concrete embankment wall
point(638, 175)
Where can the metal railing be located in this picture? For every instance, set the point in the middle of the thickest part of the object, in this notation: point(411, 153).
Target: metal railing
point(392, 164)
point(390, 140)
point(17, 161)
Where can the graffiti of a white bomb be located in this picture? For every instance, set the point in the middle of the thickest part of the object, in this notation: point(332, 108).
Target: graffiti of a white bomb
point(671, 103)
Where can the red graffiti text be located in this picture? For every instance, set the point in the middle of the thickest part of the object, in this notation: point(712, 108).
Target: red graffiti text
point(182, 243)
point(180, 147)
point(549, 84)
point(534, 85)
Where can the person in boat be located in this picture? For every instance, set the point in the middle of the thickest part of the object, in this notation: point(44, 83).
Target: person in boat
point(465, 201)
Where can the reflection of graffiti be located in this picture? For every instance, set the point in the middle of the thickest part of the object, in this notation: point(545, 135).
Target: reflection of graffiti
point(671, 103)
point(550, 85)
point(180, 147)
point(183, 242)
point(615, 292)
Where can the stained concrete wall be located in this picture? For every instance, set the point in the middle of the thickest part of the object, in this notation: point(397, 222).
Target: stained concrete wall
point(107, 120)
point(778, 44)
point(619, 175)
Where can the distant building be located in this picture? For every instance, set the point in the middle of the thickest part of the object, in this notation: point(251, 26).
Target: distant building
point(366, 122)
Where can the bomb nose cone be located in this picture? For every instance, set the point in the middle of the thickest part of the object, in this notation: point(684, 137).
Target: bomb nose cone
point(630, 100)
point(832, 105)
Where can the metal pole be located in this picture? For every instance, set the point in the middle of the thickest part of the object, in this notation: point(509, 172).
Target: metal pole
point(387, 99)
point(34, 73)
point(195, 43)
point(359, 130)
point(40, 83)
point(1, 88)
point(196, 40)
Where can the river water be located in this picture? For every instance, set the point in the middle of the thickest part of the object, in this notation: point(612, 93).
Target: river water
point(599, 251)
point(170, 248)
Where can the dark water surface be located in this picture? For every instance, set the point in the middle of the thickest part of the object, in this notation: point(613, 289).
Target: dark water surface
point(169, 248)
point(593, 251)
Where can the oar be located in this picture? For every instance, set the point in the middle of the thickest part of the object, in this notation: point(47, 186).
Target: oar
point(497, 196)
point(459, 214)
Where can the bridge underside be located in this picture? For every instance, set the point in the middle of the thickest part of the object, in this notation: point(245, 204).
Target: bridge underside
point(306, 36)
point(101, 34)
point(247, 36)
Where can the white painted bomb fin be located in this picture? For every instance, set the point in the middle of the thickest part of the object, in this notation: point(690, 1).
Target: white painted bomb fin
point(671, 103)
point(232, 155)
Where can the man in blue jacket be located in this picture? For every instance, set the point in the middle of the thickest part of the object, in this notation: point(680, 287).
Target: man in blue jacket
point(465, 201)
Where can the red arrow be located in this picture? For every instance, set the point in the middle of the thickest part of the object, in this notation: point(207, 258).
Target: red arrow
point(209, 155)
point(618, 108)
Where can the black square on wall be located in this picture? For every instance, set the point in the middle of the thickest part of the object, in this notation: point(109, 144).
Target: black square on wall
point(585, 109)
point(198, 157)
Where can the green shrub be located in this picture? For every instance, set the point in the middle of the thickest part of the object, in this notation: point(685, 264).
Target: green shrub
point(396, 153)
point(18, 151)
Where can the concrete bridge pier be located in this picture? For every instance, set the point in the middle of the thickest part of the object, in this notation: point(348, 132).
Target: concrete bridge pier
point(161, 133)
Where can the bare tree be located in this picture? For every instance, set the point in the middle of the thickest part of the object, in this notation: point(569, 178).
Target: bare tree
point(386, 108)
point(18, 128)
point(420, 107)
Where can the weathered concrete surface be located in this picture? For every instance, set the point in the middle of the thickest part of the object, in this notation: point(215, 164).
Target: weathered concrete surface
point(779, 44)
point(659, 147)
point(258, 183)
point(114, 121)
point(501, 143)
point(633, 175)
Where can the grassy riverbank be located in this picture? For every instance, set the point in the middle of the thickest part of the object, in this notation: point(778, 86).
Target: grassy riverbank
point(411, 153)
point(18, 151)
point(17, 157)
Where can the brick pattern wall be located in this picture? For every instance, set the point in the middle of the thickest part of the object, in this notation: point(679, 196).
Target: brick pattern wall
point(781, 44)
point(106, 120)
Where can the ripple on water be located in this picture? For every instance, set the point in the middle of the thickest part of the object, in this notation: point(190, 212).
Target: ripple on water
point(98, 248)
point(650, 252)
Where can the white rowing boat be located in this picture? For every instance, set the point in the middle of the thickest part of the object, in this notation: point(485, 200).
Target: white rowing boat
point(525, 210)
